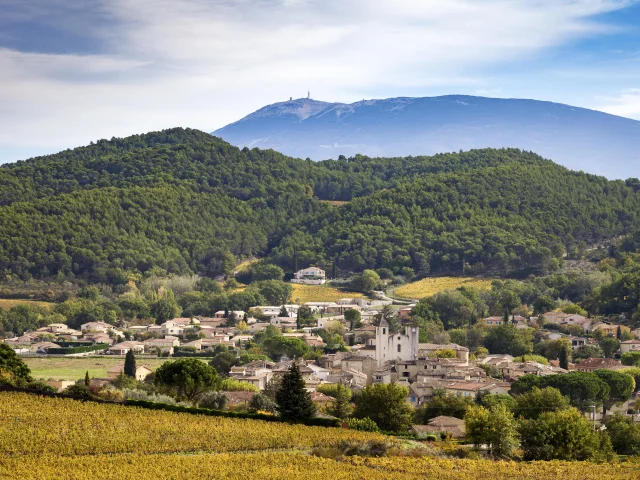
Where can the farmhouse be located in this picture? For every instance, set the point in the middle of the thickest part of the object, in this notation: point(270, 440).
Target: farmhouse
point(310, 276)
point(141, 372)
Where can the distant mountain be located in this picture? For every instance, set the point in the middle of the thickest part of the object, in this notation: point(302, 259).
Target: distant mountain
point(577, 138)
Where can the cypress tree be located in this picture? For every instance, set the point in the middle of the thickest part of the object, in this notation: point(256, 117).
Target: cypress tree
point(564, 358)
point(87, 381)
point(341, 406)
point(293, 401)
point(130, 364)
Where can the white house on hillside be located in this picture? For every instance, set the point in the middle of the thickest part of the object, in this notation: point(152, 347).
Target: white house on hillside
point(310, 276)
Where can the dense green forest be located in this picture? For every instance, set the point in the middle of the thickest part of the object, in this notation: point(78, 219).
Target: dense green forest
point(183, 201)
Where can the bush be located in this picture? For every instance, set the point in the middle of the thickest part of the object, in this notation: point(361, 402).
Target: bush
point(131, 394)
point(261, 403)
point(233, 385)
point(41, 387)
point(363, 425)
point(213, 401)
point(431, 438)
point(70, 350)
point(79, 390)
point(111, 395)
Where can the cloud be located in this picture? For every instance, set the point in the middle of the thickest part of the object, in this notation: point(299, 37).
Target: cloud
point(626, 104)
point(205, 63)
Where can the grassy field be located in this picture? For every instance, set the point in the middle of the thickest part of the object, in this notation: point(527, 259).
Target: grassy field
point(430, 286)
point(8, 304)
point(43, 438)
point(74, 368)
point(319, 293)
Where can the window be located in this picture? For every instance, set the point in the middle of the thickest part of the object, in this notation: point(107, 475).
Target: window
point(399, 347)
point(384, 331)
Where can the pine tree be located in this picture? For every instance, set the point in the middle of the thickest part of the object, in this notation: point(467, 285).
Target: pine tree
point(293, 401)
point(130, 364)
point(284, 312)
point(87, 381)
point(341, 406)
point(564, 358)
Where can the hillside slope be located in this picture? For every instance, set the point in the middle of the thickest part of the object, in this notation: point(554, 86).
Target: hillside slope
point(186, 202)
point(577, 138)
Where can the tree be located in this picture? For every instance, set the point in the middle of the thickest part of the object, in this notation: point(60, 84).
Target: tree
point(354, 318)
point(292, 399)
point(582, 388)
point(261, 403)
point(261, 271)
point(621, 386)
point(587, 351)
point(538, 401)
point(213, 400)
point(13, 365)
point(272, 387)
point(449, 405)
point(543, 304)
point(488, 401)
point(275, 292)
point(165, 307)
point(385, 404)
point(561, 435)
point(341, 405)
point(222, 362)
point(507, 339)
point(305, 317)
point(367, 282)
point(283, 311)
point(564, 358)
point(277, 347)
point(130, 364)
point(609, 346)
point(495, 427)
point(624, 433)
point(187, 378)
point(631, 359)
point(87, 381)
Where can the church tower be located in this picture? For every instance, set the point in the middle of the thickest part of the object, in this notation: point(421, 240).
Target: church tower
point(382, 342)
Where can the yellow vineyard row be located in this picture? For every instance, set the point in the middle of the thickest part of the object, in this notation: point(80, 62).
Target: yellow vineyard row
point(288, 465)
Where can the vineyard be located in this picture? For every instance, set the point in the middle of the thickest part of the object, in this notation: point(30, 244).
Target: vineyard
point(430, 286)
point(44, 438)
point(319, 293)
point(8, 304)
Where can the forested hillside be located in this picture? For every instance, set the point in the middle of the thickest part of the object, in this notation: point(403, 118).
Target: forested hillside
point(186, 202)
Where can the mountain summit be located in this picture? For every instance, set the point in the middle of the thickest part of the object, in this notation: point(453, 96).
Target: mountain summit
point(577, 138)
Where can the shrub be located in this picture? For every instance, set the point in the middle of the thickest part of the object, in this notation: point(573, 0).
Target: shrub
point(431, 438)
point(261, 403)
point(149, 397)
point(363, 425)
point(111, 395)
point(213, 401)
point(233, 385)
point(79, 390)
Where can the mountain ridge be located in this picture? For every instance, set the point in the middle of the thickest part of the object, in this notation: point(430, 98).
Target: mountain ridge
point(575, 137)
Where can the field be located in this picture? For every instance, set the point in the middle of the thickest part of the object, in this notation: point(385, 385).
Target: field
point(430, 286)
point(44, 438)
point(319, 293)
point(73, 368)
point(8, 304)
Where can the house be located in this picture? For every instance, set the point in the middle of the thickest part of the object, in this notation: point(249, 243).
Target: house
point(95, 327)
point(238, 399)
point(392, 346)
point(426, 350)
point(320, 372)
point(284, 322)
point(57, 327)
point(197, 344)
point(42, 347)
point(257, 373)
point(60, 385)
point(610, 329)
point(471, 389)
point(164, 345)
point(142, 372)
point(577, 342)
point(124, 347)
point(320, 399)
point(310, 276)
point(172, 328)
point(404, 312)
point(442, 424)
point(274, 310)
point(593, 364)
point(336, 309)
point(492, 321)
point(630, 346)
point(383, 375)
point(360, 363)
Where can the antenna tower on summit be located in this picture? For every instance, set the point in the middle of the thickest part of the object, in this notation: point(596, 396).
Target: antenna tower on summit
point(308, 94)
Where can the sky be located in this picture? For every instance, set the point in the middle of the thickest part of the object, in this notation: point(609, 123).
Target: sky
point(75, 71)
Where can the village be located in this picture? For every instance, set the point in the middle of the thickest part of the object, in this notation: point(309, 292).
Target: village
point(367, 350)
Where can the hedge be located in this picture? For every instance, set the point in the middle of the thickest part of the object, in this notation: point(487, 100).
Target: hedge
point(312, 422)
point(69, 350)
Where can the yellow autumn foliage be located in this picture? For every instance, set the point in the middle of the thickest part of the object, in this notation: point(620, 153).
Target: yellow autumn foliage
point(319, 293)
point(430, 286)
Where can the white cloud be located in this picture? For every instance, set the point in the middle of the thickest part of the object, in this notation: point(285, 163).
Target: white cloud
point(626, 104)
point(205, 63)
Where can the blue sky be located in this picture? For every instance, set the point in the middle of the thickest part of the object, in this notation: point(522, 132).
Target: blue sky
point(73, 71)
